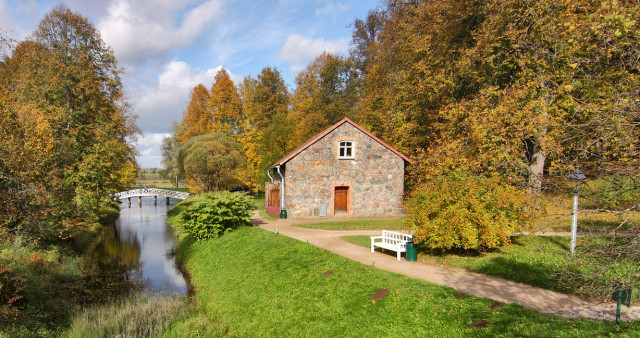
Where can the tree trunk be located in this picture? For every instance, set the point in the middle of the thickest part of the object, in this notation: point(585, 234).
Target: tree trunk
point(536, 170)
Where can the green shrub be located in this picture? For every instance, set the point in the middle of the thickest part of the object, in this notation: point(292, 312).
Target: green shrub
point(213, 214)
point(461, 210)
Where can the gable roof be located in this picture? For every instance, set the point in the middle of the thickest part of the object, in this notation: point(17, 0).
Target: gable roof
point(322, 134)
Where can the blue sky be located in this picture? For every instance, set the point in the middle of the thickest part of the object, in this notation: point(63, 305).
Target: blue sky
point(166, 47)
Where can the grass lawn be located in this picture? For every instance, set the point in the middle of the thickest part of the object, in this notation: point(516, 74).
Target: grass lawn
point(387, 224)
point(252, 282)
point(259, 201)
point(533, 260)
point(266, 216)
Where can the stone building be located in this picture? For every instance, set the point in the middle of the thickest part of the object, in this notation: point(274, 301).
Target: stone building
point(342, 171)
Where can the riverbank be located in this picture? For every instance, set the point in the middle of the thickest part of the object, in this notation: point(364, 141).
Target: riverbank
point(252, 281)
point(42, 285)
point(95, 282)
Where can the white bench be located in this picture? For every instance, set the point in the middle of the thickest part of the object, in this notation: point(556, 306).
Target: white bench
point(391, 240)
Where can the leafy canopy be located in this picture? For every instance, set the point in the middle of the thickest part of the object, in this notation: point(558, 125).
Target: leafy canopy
point(211, 162)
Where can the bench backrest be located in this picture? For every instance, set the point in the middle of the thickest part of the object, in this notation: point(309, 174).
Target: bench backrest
point(396, 236)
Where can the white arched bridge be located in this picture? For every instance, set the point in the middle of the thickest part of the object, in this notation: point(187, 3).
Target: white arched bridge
point(155, 192)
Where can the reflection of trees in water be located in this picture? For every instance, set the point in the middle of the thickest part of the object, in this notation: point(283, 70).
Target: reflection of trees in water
point(111, 251)
point(112, 267)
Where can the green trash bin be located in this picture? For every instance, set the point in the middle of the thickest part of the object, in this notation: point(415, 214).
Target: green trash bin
point(412, 252)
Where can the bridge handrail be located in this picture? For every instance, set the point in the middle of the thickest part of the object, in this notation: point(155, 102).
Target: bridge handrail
point(151, 192)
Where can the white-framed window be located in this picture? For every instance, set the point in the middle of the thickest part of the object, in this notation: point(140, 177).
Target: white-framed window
point(345, 150)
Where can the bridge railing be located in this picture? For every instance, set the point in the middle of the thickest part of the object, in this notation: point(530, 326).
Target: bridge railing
point(151, 192)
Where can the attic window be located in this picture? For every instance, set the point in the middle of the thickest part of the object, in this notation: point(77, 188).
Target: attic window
point(345, 151)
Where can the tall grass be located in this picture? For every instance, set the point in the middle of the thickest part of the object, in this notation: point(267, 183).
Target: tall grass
point(141, 315)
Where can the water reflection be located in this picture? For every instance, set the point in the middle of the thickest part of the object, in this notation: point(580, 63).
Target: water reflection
point(111, 268)
point(141, 243)
point(146, 226)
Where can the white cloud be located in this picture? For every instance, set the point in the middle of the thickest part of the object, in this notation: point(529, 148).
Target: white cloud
point(300, 50)
point(149, 147)
point(138, 30)
point(160, 104)
point(12, 16)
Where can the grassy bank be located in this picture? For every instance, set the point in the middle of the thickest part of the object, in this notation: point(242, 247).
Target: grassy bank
point(533, 260)
point(253, 282)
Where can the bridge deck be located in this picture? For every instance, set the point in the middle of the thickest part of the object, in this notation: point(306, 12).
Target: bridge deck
point(151, 192)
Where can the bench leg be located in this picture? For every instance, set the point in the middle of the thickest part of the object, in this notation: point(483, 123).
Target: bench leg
point(399, 257)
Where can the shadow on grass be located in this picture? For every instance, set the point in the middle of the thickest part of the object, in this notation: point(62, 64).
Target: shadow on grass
point(532, 260)
point(423, 249)
point(536, 274)
point(560, 242)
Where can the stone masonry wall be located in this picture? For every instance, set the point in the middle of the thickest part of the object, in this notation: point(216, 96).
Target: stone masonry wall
point(375, 177)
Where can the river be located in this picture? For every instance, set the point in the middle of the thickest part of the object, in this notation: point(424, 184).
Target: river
point(141, 243)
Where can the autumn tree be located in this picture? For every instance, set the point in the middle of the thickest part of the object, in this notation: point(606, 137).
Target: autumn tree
point(327, 86)
point(266, 105)
point(65, 99)
point(225, 106)
point(250, 140)
point(196, 119)
point(267, 97)
point(211, 162)
point(515, 87)
point(409, 52)
point(326, 91)
point(525, 91)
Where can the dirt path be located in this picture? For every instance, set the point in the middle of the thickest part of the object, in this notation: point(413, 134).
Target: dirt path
point(501, 290)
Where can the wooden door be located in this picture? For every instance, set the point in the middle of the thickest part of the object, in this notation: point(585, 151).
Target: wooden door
point(274, 197)
point(341, 198)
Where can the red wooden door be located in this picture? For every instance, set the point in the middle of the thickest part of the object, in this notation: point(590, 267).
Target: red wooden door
point(341, 198)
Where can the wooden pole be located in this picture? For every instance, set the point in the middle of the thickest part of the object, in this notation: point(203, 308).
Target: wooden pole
point(140, 201)
point(155, 200)
point(129, 202)
point(167, 200)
